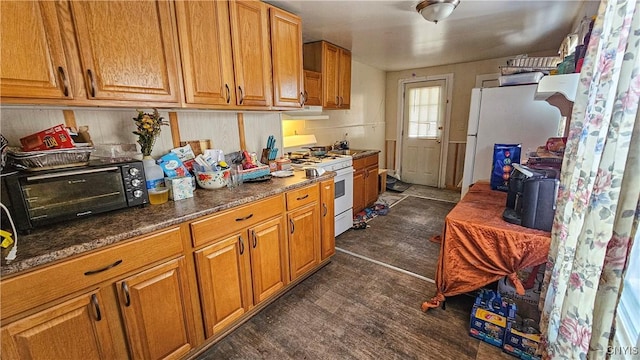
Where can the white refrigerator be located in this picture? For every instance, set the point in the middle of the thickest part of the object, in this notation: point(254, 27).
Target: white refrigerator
point(505, 115)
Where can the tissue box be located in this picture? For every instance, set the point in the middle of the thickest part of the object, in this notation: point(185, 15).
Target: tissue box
point(179, 187)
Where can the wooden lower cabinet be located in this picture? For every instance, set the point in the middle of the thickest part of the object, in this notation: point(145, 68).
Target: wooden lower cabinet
point(327, 219)
point(75, 329)
point(156, 313)
point(304, 239)
point(240, 271)
point(365, 182)
point(222, 277)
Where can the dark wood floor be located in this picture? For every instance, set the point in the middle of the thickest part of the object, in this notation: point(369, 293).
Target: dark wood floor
point(357, 309)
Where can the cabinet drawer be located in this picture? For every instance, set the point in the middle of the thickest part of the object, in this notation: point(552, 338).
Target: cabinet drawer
point(301, 197)
point(371, 160)
point(359, 164)
point(216, 226)
point(27, 291)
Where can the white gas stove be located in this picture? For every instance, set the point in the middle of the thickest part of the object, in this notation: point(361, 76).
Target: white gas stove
point(343, 200)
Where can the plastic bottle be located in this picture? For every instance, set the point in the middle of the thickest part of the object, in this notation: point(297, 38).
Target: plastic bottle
point(153, 173)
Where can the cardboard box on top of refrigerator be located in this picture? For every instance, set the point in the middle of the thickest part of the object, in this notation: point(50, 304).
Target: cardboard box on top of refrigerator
point(56, 137)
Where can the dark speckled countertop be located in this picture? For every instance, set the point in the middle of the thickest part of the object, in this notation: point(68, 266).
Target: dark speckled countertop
point(57, 242)
point(357, 154)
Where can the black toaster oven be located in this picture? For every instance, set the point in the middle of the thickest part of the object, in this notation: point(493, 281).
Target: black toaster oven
point(45, 197)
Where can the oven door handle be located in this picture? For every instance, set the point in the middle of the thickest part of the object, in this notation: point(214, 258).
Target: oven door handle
point(67, 173)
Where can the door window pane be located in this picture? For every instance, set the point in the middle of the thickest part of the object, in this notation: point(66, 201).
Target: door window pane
point(425, 108)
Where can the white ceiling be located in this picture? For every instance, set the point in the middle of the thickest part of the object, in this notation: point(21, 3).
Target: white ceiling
point(391, 35)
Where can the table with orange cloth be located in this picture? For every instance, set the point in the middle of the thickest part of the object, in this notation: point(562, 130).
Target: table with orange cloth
point(478, 247)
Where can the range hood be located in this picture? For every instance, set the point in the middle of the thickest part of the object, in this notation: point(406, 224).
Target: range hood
point(566, 85)
point(306, 113)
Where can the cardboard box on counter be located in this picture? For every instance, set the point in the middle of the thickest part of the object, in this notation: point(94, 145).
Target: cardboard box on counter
point(56, 137)
point(179, 187)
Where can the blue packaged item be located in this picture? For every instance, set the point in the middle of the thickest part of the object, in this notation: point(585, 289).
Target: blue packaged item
point(489, 317)
point(173, 166)
point(504, 156)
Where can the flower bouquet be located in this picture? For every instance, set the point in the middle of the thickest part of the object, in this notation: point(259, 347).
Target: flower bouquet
point(148, 130)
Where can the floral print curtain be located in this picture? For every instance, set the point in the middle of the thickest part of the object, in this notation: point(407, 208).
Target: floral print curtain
point(597, 209)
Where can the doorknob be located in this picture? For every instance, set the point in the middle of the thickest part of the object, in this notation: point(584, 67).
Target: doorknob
point(440, 127)
point(438, 141)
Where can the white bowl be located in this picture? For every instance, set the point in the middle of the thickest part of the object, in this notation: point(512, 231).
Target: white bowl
point(212, 179)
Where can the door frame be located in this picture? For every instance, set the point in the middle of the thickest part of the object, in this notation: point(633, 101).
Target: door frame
point(448, 80)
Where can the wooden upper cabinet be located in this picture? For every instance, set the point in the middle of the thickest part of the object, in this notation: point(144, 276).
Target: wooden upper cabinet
point(251, 53)
point(312, 88)
point(334, 63)
point(205, 46)
point(286, 55)
point(127, 50)
point(33, 58)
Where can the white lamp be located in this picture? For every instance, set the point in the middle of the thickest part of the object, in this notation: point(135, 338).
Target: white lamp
point(436, 10)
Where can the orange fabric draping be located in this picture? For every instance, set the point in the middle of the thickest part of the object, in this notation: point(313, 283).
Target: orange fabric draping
point(478, 247)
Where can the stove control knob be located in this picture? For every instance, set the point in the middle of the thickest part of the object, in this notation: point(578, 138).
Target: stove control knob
point(137, 193)
point(135, 182)
point(134, 171)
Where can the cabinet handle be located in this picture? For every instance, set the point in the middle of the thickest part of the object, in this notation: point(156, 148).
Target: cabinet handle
point(127, 297)
point(241, 95)
point(65, 82)
point(337, 101)
point(293, 227)
point(226, 86)
point(301, 98)
point(306, 97)
point(91, 272)
point(324, 207)
point(255, 238)
point(93, 83)
point(96, 307)
point(245, 218)
point(341, 101)
point(302, 197)
point(241, 245)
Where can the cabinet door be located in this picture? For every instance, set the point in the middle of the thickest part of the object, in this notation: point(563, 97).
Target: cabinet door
point(76, 329)
point(286, 56)
point(358, 191)
point(371, 185)
point(155, 308)
point(251, 55)
point(127, 50)
point(327, 220)
point(312, 88)
point(33, 60)
point(268, 266)
point(222, 277)
point(344, 79)
point(330, 75)
point(205, 46)
point(304, 240)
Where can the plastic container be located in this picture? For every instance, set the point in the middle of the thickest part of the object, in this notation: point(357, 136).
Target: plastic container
point(158, 196)
point(153, 173)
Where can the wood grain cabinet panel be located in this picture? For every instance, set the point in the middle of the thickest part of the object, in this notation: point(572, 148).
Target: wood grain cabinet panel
point(312, 88)
point(223, 281)
point(304, 240)
point(205, 46)
point(127, 50)
point(75, 329)
point(286, 55)
point(32, 52)
point(327, 220)
point(155, 308)
point(334, 63)
point(365, 182)
point(268, 267)
point(251, 53)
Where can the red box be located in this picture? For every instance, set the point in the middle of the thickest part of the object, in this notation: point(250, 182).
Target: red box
point(56, 137)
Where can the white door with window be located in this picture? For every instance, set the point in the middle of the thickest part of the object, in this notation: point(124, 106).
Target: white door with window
point(424, 113)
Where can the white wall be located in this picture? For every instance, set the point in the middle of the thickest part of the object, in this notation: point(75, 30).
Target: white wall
point(364, 122)
point(112, 126)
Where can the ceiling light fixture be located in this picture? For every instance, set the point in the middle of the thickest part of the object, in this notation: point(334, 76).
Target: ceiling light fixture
point(436, 10)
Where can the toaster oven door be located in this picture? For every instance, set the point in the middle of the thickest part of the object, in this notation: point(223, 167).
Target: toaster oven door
point(68, 195)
